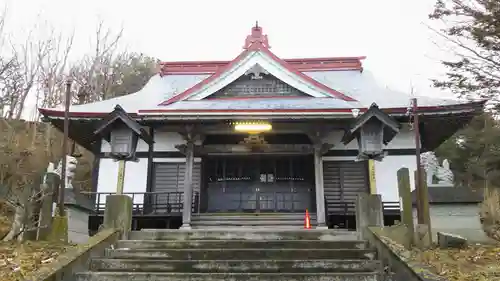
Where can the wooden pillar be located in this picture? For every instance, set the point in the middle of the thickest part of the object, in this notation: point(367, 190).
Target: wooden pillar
point(319, 187)
point(188, 185)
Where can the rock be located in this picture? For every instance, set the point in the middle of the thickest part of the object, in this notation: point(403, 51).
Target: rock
point(449, 240)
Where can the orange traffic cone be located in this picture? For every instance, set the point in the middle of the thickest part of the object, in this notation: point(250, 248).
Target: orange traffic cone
point(307, 220)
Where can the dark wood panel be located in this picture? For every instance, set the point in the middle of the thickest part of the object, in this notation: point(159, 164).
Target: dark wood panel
point(343, 181)
point(255, 196)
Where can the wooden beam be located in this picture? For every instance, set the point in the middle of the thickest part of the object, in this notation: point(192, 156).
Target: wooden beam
point(150, 175)
point(278, 127)
point(245, 150)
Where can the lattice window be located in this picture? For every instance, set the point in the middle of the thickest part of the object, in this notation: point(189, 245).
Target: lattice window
point(247, 86)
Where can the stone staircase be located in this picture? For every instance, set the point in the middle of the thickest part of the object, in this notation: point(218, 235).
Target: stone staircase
point(262, 220)
point(237, 255)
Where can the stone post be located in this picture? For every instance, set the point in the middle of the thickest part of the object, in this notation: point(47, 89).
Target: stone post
point(188, 186)
point(48, 188)
point(423, 233)
point(369, 212)
point(319, 188)
point(404, 189)
point(118, 213)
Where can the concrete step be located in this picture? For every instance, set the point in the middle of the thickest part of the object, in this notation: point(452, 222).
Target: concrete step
point(240, 254)
point(149, 276)
point(233, 223)
point(261, 217)
point(242, 234)
point(227, 266)
point(248, 227)
point(240, 244)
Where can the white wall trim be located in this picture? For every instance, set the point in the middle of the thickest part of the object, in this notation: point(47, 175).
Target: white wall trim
point(174, 160)
point(339, 158)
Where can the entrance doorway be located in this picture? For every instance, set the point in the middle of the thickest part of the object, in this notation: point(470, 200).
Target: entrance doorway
point(258, 183)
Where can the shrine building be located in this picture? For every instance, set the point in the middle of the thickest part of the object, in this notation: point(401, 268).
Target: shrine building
point(261, 134)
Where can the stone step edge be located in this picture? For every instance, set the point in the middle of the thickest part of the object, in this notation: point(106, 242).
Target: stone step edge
point(238, 249)
point(241, 241)
point(236, 230)
point(300, 217)
point(235, 261)
point(257, 222)
point(166, 274)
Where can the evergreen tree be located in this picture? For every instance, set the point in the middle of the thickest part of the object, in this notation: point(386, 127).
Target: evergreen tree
point(473, 28)
point(474, 153)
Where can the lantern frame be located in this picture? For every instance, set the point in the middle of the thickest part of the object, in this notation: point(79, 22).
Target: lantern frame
point(373, 130)
point(120, 130)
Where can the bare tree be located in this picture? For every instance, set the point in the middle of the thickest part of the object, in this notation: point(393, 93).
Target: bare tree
point(95, 71)
point(26, 151)
point(53, 70)
point(19, 69)
point(9, 77)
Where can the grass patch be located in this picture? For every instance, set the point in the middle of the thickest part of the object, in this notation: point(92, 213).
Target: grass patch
point(474, 263)
point(18, 260)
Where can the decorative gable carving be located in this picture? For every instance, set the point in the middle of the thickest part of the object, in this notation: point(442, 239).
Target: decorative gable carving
point(257, 83)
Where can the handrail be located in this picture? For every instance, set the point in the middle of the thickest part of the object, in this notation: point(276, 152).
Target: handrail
point(150, 203)
point(348, 207)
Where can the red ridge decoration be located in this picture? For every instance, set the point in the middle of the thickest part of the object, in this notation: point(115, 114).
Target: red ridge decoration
point(256, 40)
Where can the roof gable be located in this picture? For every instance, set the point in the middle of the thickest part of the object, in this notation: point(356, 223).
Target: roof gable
point(257, 84)
point(256, 54)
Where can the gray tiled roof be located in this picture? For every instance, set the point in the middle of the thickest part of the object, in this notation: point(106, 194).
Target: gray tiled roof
point(266, 104)
point(361, 86)
point(451, 195)
point(156, 90)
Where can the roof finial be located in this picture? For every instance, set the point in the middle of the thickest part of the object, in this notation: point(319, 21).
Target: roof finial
point(256, 39)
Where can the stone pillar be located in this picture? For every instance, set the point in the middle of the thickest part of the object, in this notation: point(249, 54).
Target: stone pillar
point(404, 189)
point(423, 231)
point(319, 188)
point(188, 186)
point(369, 212)
point(118, 213)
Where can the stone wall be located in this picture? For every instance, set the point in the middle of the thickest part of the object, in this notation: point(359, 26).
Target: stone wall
point(78, 225)
point(461, 219)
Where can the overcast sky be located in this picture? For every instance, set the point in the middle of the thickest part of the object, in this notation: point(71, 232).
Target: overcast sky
point(390, 33)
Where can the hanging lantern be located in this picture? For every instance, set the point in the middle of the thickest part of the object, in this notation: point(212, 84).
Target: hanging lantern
point(373, 130)
point(122, 133)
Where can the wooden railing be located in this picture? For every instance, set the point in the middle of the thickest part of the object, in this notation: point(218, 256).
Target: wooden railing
point(347, 208)
point(150, 203)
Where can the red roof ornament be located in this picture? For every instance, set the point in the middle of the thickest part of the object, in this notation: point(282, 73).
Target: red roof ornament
point(256, 40)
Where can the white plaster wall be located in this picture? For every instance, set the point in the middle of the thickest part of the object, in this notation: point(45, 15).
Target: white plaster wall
point(166, 141)
point(135, 177)
point(78, 225)
point(405, 139)
point(386, 179)
point(142, 146)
